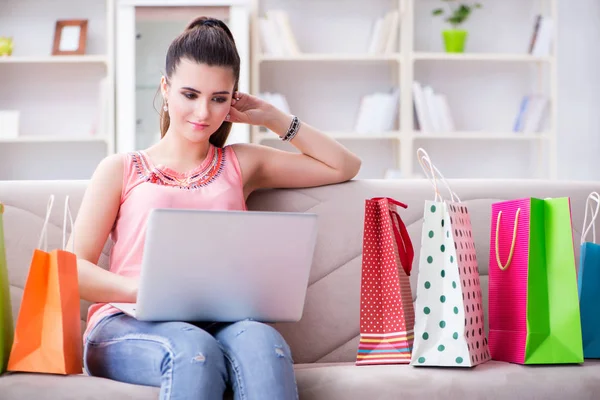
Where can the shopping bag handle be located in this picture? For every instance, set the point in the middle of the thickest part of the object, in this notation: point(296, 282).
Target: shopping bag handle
point(44, 235)
point(429, 168)
point(70, 216)
point(514, 240)
point(405, 247)
point(389, 199)
point(594, 196)
point(406, 252)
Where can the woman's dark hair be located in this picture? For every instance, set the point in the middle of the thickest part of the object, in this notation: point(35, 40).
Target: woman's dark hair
point(206, 41)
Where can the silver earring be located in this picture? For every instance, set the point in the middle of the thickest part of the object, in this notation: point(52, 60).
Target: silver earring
point(227, 117)
point(165, 108)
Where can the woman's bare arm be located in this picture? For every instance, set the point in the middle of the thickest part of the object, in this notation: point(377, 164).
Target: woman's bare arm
point(95, 219)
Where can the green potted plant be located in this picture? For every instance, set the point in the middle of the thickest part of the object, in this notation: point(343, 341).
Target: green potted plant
point(6, 46)
point(455, 15)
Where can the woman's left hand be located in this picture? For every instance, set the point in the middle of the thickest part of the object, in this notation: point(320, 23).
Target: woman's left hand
point(248, 109)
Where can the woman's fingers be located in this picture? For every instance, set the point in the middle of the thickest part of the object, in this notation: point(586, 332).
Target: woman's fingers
point(235, 116)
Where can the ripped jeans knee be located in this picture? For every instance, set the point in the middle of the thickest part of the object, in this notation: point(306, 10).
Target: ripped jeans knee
point(259, 361)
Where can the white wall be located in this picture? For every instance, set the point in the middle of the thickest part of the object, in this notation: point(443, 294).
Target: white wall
point(579, 88)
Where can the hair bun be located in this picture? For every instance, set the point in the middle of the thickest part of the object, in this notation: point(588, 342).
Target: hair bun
point(205, 21)
point(196, 23)
point(209, 22)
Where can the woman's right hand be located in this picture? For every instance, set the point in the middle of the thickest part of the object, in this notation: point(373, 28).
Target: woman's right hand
point(133, 289)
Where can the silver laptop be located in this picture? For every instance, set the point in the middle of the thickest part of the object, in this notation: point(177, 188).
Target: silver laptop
point(224, 266)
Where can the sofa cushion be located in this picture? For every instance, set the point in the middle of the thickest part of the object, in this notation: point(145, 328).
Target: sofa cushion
point(492, 380)
point(20, 386)
point(345, 381)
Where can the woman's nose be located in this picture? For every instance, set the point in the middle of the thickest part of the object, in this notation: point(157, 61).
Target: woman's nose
point(202, 110)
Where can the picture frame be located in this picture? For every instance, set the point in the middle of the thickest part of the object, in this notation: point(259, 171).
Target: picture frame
point(70, 37)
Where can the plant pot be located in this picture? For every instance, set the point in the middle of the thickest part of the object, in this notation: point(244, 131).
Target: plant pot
point(454, 40)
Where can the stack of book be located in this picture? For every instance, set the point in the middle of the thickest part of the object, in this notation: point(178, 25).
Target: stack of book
point(532, 113)
point(540, 44)
point(432, 112)
point(276, 35)
point(384, 37)
point(278, 100)
point(377, 112)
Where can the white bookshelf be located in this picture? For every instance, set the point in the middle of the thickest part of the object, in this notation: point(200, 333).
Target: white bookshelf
point(54, 139)
point(330, 58)
point(66, 119)
point(91, 59)
point(437, 56)
point(325, 82)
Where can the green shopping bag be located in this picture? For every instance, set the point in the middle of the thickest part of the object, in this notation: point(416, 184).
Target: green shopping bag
point(6, 321)
point(534, 305)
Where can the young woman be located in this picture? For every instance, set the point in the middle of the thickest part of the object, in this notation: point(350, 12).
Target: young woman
point(190, 167)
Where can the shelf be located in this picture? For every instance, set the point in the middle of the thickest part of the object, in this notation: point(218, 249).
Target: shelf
point(85, 59)
point(340, 136)
point(439, 56)
point(323, 57)
point(481, 136)
point(154, 87)
point(53, 139)
point(421, 136)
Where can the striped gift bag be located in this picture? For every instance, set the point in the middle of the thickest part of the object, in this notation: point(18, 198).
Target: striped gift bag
point(386, 308)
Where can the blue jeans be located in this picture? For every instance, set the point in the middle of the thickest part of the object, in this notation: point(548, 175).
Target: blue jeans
point(193, 361)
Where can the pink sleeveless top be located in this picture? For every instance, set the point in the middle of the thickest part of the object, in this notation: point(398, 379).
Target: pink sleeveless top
point(216, 184)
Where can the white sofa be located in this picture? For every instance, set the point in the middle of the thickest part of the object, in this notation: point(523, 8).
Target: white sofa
point(324, 342)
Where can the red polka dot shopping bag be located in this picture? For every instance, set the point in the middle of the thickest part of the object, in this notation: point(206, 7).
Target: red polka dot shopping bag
point(386, 308)
point(534, 303)
point(449, 325)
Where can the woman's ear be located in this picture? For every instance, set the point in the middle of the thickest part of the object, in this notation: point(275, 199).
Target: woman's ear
point(164, 87)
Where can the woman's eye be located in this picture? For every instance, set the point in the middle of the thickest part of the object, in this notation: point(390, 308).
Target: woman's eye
point(219, 99)
point(190, 96)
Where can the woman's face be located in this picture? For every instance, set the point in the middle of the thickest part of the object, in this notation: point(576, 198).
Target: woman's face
point(198, 99)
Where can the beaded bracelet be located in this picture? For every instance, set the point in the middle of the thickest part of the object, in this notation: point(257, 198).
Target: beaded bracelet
point(292, 130)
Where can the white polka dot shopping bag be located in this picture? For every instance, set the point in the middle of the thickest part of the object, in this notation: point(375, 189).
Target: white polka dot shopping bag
point(386, 308)
point(449, 325)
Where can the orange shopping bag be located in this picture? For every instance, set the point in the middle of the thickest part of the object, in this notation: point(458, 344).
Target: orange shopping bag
point(48, 331)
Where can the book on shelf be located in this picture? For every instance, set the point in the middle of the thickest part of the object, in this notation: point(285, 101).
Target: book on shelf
point(432, 110)
point(540, 44)
point(384, 36)
point(277, 100)
point(531, 114)
point(377, 112)
point(276, 34)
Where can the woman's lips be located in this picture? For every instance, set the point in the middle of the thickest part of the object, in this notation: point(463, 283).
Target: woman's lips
point(199, 126)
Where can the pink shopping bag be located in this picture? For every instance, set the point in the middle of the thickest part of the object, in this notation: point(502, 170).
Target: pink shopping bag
point(533, 309)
